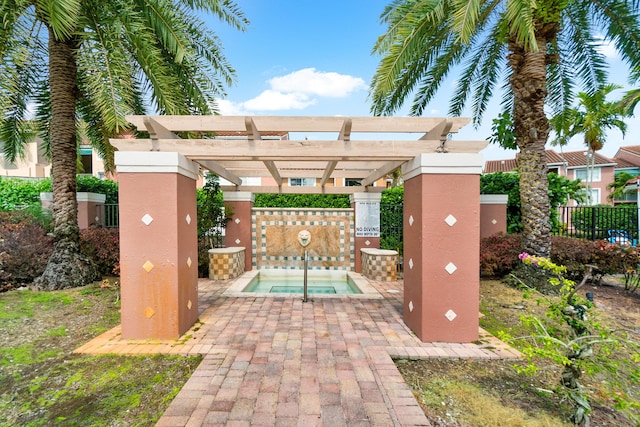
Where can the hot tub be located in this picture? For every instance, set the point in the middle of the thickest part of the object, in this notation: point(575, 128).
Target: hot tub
point(289, 283)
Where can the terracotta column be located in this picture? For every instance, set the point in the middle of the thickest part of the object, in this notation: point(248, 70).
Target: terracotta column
point(158, 243)
point(366, 208)
point(441, 246)
point(238, 231)
point(493, 214)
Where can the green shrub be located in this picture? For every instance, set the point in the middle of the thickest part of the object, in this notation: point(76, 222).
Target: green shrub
point(91, 184)
point(393, 195)
point(25, 248)
point(335, 201)
point(102, 246)
point(18, 193)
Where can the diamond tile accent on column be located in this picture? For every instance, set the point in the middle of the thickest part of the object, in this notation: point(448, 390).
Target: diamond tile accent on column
point(188, 219)
point(410, 263)
point(189, 305)
point(450, 315)
point(410, 305)
point(238, 241)
point(451, 268)
point(367, 243)
point(148, 266)
point(189, 262)
point(451, 220)
point(149, 312)
point(237, 220)
point(410, 219)
point(147, 219)
point(494, 221)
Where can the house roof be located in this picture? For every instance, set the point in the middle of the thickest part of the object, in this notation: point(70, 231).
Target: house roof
point(244, 146)
point(624, 164)
point(634, 149)
point(572, 159)
point(506, 165)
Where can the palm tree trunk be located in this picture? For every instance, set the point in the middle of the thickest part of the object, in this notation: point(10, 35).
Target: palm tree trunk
point(67, 267)
point(531, 128)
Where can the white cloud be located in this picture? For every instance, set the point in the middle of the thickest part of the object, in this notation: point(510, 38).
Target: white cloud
point(312, 82)
point(296, 91)
point(271, 100)
point(229, 108)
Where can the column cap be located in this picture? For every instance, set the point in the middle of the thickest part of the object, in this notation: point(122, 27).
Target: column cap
point(444, 164)
point(238, 196)
point(494, 199)
point(155, 162)
point(365, 197)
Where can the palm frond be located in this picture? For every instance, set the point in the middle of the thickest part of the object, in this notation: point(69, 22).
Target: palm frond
point(60, 15)
point(519, 15)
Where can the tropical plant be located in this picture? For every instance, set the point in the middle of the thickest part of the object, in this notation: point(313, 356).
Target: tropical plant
point(539, 51)
point(618, 186)
point(92, 62)
point(593, 116)
point(569, 336)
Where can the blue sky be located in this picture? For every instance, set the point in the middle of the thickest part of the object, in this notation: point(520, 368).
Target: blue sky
point(314, 58)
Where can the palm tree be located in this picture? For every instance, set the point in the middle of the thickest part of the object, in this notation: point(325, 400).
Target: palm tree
point(538, 52)
point(95, 61)
point(619, 185)
point(593, 116)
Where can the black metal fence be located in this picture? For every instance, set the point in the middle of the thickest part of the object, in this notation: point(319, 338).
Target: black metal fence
point(598, 222)
point(110, 214)
point(391, 226)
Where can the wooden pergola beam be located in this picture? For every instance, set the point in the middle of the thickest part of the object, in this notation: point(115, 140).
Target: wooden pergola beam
point(380, 172)
point(299, 123)
point(273, 170)
point(296, 150)
point(219, 170)
point(328, 172)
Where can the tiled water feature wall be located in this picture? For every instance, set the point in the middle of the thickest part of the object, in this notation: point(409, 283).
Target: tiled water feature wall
point(275, 238)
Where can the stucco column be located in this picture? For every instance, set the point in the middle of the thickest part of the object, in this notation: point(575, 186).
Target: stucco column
point(158, 243)
point(493, 214)
point(90, 208)
point(441, 246)
point(366, 207)
point(238, 231)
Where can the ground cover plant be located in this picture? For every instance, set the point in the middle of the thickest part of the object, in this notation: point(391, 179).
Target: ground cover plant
point(43, 383)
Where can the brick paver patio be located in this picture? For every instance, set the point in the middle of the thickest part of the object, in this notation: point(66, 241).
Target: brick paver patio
point(282, 362)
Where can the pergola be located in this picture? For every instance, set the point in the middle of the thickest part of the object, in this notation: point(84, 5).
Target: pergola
point(333, 147)
point(158, 176)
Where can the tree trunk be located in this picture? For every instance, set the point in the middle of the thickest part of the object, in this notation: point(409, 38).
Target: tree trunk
point(67, 267)
point(531, 128)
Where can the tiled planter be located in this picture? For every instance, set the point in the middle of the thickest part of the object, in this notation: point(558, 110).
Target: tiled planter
point(379, 264)
point(226, 263)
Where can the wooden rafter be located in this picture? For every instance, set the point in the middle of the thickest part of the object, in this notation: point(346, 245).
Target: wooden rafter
point(219, 170)
point(328, 172)
point(273, 170)
point(381, 172)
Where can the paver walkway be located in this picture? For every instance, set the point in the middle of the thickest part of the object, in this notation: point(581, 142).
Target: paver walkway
point(282, 362)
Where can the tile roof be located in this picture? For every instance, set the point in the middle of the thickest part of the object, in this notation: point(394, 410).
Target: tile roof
point(573, 159)
point(622, 163)
point(508, 165)
point(634, 149)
